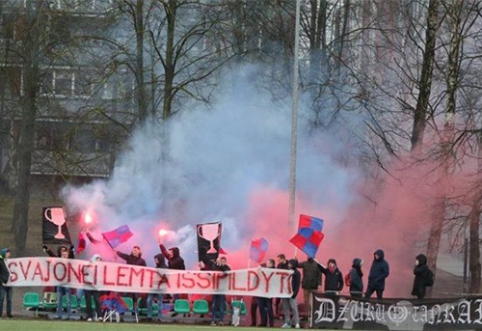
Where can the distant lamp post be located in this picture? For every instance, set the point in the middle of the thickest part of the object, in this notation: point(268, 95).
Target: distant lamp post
point(294, 121)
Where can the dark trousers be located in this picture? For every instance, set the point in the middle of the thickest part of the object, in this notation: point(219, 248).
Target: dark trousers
point(370, 291)
point(266, 311)
point(254, 311)
point(89, 296)
point(6, 291)
point(219, 306)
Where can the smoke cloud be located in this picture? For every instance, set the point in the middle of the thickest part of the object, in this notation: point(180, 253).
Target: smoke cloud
point(230, 163)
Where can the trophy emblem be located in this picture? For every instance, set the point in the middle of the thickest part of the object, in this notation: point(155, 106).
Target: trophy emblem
point(56, 217)
point(209, 232)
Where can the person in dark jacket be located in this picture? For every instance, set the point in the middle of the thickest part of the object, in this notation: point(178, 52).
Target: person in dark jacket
point(356, 279)
point(282, 264)
point(62, 290)
point(5, 291)
point(333, 277)
point(290, 304)
point(310, 281)
point(420, 271)
point(258, 304)
point(134, 258)
point(266, 304)
point(174, 262)
point(160, 264)
point(93, 295)
point(379, 271)
point(60, 250)
point(173, 256)
point(219, 300)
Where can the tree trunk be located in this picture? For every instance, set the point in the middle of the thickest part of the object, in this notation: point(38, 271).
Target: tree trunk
point(140, 32)
point(170, 65)
point(437, 220)
point(474, 245)
point(344, 27)
point(425, 83)
point(474, 229)
point(447, 134)
point(26, 127)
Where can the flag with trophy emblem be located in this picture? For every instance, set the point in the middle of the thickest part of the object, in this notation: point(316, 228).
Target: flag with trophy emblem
point(309, 235)
point(54, 226)
point(209, 241)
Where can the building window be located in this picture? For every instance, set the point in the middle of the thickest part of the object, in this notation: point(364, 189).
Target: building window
point(67, 83)
point(63, 82)
point(84, 83)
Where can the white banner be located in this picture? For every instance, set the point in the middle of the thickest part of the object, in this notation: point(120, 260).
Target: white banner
point(42, 271)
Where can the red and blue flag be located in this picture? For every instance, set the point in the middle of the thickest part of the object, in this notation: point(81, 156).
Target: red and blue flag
point(309, 236)
point(258, 250)
point(81, 243)
point(116, 237)
point(113, 301)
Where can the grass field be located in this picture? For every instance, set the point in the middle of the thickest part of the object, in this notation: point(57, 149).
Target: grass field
point(44, 325)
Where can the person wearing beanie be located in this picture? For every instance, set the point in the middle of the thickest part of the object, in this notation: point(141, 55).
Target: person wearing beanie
point(290, 304)
point(333, 277)
point(5, 291)
point(93, 295)
point(160, 264)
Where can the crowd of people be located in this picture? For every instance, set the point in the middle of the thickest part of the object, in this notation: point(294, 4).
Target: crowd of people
point(309, 280)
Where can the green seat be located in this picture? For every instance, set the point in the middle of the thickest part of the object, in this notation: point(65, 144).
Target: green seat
point(200, 307)
point(83, 303)
point(129, 303)
point(241, 305)
point(181, 306)
point(143, 310)
point(50, 300)
point(130, 307)
point(31, 299)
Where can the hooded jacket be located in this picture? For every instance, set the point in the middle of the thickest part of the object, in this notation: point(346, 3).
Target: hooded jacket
point(295, 278)
point(356, 277)
point(311, 274)
point(379, 271)
point(132, 260)
point(333, 278)
point(175, 262)
point(421, 273)
point(4, 272)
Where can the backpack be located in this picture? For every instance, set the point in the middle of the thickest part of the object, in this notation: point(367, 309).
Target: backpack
point(429, 278)
point(347, 280)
